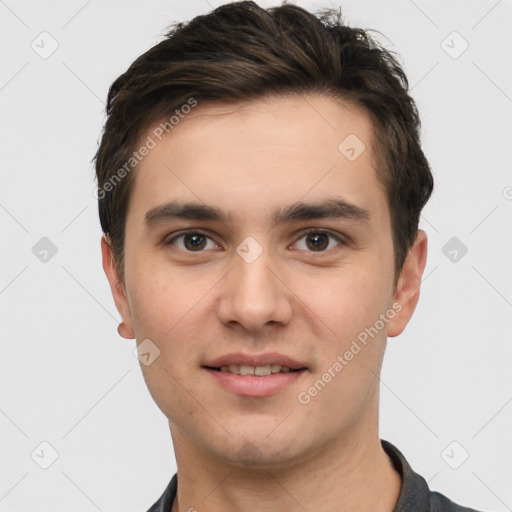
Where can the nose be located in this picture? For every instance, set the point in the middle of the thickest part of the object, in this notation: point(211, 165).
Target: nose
point(254, 295)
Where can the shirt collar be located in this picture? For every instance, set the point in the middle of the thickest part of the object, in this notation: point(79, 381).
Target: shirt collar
point(415, 494)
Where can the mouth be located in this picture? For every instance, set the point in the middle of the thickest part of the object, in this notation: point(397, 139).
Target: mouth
point(259, 379)
point(255, 375)
point(257, 371)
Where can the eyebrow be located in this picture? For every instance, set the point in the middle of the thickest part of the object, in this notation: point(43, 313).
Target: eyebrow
point(179, 210)
point(326, 209)
point(333, 208)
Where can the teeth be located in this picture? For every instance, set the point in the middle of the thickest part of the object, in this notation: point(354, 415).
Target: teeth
point(246, 370)
point(260, 371)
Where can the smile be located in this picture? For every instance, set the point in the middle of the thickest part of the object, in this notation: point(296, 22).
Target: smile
point(254, 381)
point(259, 371)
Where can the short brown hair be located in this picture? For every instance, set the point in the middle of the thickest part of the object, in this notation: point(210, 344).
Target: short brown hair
point(241, 51)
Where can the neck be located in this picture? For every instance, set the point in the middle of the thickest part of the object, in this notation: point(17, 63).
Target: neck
point(354, 475)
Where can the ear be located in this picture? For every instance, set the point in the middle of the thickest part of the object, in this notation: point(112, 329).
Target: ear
point(408, 286)
point(126, 327)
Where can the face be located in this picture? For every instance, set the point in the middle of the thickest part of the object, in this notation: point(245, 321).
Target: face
point(254, 240)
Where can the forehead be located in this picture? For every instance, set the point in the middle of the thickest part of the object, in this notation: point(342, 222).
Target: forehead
point(260, 155)
point(310, 122)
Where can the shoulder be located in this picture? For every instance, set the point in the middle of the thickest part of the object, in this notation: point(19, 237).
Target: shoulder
point(415, 493)
point(440, 503)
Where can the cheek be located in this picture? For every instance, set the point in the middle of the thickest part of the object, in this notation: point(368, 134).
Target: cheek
point(345, 301)
point(173, 308)
point(346, 307)
point(170, 312)
point(161, 296)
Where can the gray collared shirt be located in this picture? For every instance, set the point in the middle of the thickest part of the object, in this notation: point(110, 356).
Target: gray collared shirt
point(415, 496)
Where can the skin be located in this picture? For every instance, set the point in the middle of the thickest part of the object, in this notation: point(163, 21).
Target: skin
point(252, 159)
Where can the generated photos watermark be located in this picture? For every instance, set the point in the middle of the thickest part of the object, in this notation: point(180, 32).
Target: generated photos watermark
point(361, 341)
point(150, 143)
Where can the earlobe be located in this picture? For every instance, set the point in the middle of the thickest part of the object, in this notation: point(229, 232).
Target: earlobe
point(125, 328)
point(124, 331)
point(408, 287)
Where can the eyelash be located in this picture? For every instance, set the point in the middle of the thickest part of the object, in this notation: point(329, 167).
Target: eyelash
point(340, 239)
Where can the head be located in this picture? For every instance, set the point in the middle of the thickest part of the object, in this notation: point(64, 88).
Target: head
point(257, 124)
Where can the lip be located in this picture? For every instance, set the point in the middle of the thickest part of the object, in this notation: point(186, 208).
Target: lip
point(255, 360)
point(252, 386)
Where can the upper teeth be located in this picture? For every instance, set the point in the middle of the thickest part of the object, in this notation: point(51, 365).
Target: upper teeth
point(254, 370)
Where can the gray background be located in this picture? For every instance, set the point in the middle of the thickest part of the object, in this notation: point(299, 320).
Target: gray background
point(69, 380)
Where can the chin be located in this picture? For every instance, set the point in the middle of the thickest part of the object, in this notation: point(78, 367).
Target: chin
point(251, 456)
point(259, 450)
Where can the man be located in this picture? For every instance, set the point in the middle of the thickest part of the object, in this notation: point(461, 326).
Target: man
point(260, 181)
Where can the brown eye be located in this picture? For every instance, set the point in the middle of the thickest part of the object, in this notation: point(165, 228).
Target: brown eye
point(318, 241)
point(192, 241)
